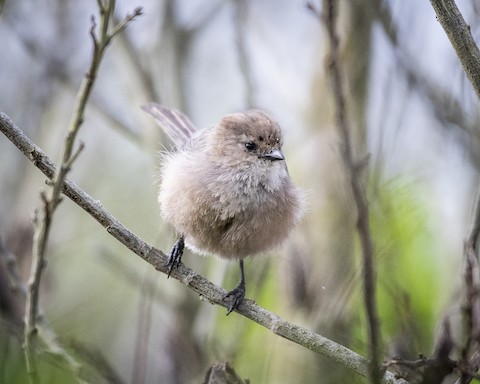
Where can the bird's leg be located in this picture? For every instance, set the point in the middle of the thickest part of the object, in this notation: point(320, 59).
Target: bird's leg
point(238, 293)
point(175, 255)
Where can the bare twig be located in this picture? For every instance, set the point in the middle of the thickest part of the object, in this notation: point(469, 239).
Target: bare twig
point(50, 202)
point(460, 36)
point(204, 288)
point(42, 229)
point(120, 27)
point(354, 168)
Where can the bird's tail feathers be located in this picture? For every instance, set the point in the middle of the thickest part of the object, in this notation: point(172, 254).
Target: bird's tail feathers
point(173, 122)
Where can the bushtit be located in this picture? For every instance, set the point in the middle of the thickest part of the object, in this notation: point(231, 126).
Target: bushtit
point(226, 189)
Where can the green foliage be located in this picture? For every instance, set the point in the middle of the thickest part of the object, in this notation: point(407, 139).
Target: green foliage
point(12, 367)
point(411, 268)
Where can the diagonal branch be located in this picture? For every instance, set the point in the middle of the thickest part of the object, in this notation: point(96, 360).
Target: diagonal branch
point(460, 36)
point(204, 288)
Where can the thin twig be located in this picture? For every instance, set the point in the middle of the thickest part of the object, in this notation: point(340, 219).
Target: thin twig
point(204, 288)
point(460, 36)
point(51, 201)
point(120, 27)
point(42, 229)
point(355, 172)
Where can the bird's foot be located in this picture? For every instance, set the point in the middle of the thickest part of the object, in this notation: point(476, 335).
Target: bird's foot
point(175, 255)
point(238, 295)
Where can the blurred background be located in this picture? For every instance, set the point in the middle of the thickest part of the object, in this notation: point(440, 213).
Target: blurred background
point(411, 109)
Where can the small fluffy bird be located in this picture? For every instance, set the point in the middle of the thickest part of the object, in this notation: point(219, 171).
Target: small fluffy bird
point(226, 189)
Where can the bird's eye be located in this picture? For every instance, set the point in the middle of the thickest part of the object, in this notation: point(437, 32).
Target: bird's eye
point(250, 146)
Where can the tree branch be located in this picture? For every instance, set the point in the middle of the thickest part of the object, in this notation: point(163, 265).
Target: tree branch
point(204, 288)
point(460, 36)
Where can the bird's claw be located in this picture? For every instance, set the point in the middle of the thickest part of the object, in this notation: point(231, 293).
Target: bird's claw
point(175, 256)
point(238, 295)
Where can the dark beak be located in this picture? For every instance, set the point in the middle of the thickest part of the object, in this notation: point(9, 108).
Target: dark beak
point(274, 155)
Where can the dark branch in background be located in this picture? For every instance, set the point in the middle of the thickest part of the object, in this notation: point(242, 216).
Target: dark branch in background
point(204, 288)
point(354, 168)
point(145, 78)
point(223, 373)
point(50, 200)
point(469, 361)
point(431, 370)
point(240, 25)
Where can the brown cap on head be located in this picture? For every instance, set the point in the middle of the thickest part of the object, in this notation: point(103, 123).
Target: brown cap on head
point(254, 123)
point(246, 133)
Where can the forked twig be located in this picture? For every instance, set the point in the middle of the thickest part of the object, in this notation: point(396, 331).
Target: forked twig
point(52, 198)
